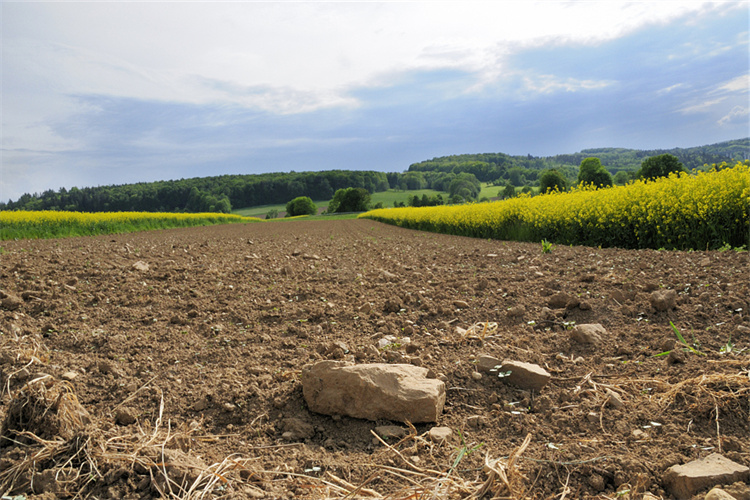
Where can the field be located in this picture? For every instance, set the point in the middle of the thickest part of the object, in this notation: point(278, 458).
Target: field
point(708, 210)
point(169, 362)
point(386, 197)
point(60, 224)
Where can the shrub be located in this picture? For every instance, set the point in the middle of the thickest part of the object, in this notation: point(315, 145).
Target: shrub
point(302, 205)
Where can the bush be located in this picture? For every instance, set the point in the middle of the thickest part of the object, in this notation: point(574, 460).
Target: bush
point(552, 180)
point(593, 172)
point(350, 200)
point(660, 166)
point(509, 191)
point(302, 205)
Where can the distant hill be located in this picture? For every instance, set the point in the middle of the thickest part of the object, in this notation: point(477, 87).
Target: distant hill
point(222, 193)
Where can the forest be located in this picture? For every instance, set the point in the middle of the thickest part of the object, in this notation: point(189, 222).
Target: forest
point(449, 173)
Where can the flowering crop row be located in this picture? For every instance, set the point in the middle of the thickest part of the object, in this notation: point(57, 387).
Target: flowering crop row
point(687, 211)
point(54, 224)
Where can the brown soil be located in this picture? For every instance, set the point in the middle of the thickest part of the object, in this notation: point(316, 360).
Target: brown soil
point(195, 361)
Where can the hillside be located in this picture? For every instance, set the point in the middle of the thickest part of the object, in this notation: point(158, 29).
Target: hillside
point(225, 192)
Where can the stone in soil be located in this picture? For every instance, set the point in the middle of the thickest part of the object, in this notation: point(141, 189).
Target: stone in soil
point(440, 434)
point(374, 391)
point(663, 300)
point(682, 481)
point(587, 334)
point(525, 375)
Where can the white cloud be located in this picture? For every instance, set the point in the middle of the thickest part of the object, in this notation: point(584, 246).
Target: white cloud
point(702, 106)
point(738, 115)
point(739, 84)
point(546, 84)
point(312, 52)
point(671, 88)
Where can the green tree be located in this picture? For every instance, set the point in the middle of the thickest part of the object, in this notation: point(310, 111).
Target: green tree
point(593, 172)
point(621, 178)
point(509, 191)
point(552, 180)
point(465, 185)
point(660, 166)
point(272, 214)
point(302, 205)
point(349, 200)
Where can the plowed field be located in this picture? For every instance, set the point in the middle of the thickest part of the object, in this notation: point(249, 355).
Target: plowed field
point(178, 353)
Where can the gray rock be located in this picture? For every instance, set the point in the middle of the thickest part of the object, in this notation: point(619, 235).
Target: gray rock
point(663, 300)
point(525, 375)
point(486, 363)
point(398, 392)
point(587, 333)
point(440, 434)
point(683, 481)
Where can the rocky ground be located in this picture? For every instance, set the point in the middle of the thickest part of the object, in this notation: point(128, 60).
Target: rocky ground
point(169, 364)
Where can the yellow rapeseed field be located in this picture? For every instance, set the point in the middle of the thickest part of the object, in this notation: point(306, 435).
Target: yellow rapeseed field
point(54, 224)
point(686, 211)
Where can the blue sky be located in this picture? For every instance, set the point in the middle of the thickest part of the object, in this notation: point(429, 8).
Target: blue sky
point(97, 93)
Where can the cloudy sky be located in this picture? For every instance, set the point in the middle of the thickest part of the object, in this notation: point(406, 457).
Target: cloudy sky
point(97, 93)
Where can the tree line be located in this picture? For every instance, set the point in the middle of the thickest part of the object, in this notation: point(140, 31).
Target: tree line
point(459, 175)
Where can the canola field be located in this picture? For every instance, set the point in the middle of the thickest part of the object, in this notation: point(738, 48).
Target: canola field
point(700, 211)
point(54, 224)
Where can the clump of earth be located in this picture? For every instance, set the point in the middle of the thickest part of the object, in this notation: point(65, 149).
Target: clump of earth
point(182, 354)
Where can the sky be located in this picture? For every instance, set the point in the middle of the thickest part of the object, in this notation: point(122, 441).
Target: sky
point(100, 93)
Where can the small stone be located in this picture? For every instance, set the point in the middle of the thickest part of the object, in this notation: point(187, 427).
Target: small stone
point(587, 333)
point(516, 311)
point(486, 363)
point(461, 304)
point(125, 416)
point(525, 375)
point(141, 266)
point(201, 405)
point(596, 482)
point(476, 376)
point(476, 421)
point(230, 407)
point(663, 300)
point(639, 434)
point(676, 356)
point(614, 399)
point(718, 494)
point(365, 308)
point(440, 434)
point(295, 429)
point(390, 431)
point(559, 300)
point(69, 376)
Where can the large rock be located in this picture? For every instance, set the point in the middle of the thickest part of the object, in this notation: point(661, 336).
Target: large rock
point(374, 391)
point(683, 481)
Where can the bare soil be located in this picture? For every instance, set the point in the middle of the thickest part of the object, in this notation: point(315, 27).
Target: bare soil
point(202, 348)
